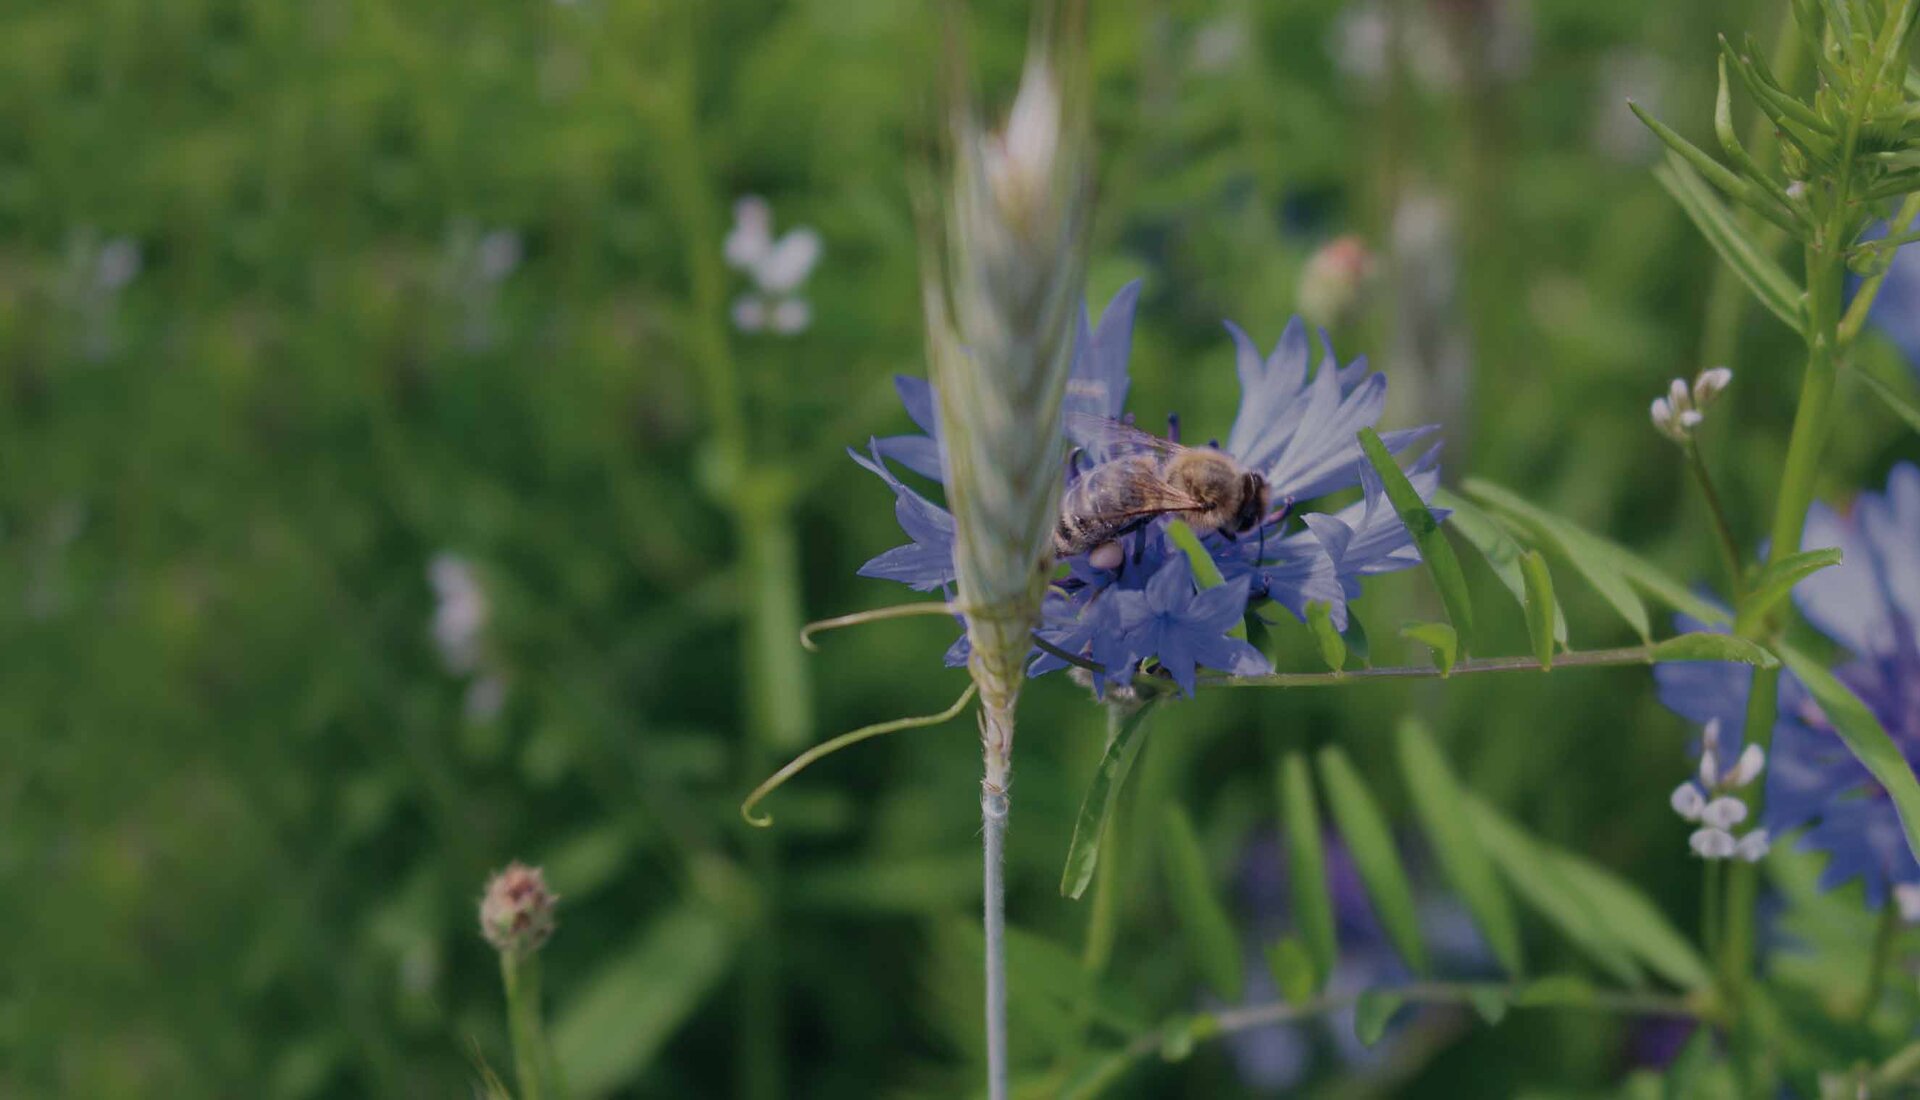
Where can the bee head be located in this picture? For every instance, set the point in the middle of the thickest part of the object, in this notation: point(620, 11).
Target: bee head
point(1253, 502)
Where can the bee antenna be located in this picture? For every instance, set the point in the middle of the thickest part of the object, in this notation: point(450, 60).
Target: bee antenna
point(1214, 443)
point(1173, 427)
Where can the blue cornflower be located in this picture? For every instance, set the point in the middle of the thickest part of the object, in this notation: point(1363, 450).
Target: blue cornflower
point(1139, 606)
point(1181, 628)
point(1870, 605)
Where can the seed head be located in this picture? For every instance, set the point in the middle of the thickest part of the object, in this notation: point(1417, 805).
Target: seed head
point(1002, 286)
point(516, 914)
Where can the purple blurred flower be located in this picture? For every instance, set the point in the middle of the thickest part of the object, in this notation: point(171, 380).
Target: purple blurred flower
point(1279, 1056)
point(1295, 425)
point(1896, 311)
point(1870, 604)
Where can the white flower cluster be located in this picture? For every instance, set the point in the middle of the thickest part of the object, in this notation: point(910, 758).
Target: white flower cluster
point(1710, 802)
point(1682, 410)
point(776, 267)
point(460, 617)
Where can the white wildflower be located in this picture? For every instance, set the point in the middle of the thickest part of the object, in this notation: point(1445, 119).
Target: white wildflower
point(777, 268)
point(1753, 847)
point(1711, 843)
point(1724, 813)
point(1688, 802)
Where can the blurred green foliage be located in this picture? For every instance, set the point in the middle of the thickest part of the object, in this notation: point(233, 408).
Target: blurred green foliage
point(294, 297)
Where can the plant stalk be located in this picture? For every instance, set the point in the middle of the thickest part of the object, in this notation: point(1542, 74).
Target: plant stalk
point(993, 836)
point(533, 1062)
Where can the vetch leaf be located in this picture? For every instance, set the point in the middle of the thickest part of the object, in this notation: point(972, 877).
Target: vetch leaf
point(1716, 223)
point(1554, 990)
point(1438, 637)
point(1293, 969)
point(1372, 1013)
point(1441, 808)
point(1371, 842)
point(1596, 908)
point(1489, 1002)
point(1701, 645)
point(1778, 578)
point(1355, 635)
point(1502, 553)
point(1605, 565)
point(1307, 867)
point(1543, 614)
point(1864, 737)
point(1634, 921)
point(1434, 548)
point(1096, 806)
point(1209, 932)
point(609, 1031)
point(1541, 883)
point(1333, 648)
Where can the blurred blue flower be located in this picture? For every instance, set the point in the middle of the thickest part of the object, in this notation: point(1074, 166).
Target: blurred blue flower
point(1869, 604)
point(1278, 1057)
point(1896, 311)
point(1140, 606)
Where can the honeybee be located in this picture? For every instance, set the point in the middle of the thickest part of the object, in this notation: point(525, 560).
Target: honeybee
point(1146, 476)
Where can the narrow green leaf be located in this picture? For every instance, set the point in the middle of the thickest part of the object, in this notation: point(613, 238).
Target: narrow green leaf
point(1777, 579)
point(1608, 555)
point(1206, 574)
point(1209, 932)
point(1372, 1013)
point(1434, 548)
point(1307, 867)
point(1441, 808)
point(1355, 635)
point(1762, 275)
point(1489, 1002)
point(1333, 648)
point(1684, 152)
point(1634, 921)
point(1539, 881)
point(1902, 406)
point(1543, 613)
point(1293, 970)
point(608, 1031)
point(1597, 909)
point(1502, 553)
point(1737, 153)
point(1371, 843)
point(1864, 736)
point(1439, 638)
point(1096, 806)
point(1604, 565)
point(1700, 645)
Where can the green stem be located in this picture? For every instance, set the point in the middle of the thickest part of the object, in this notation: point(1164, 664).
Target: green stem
point(1899, 1069)
point(1190, 1030)
point(1711, 889)
point(1729, 548)
point(533, 1062)
point(1885, 937)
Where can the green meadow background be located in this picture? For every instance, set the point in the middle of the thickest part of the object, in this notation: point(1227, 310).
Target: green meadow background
point(296, 296)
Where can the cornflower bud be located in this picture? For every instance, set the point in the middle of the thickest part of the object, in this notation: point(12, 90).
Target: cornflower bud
point(1334, 280)
point(516, 913)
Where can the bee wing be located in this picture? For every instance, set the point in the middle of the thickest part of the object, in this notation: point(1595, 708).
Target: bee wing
point(1104, 437)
